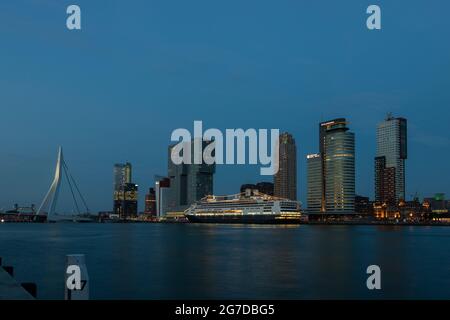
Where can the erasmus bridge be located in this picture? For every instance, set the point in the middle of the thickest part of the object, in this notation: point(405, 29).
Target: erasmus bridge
point(51, 198)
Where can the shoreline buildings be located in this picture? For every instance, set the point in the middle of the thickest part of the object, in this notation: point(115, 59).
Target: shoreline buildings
point(285, 180)
point(314, 176)
point(162, 194)
point(389, 167)
point(391, 154)
point(189, 182)
point(125, 203)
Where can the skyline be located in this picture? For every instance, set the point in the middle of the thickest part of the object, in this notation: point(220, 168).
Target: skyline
point(127, 172)
point(165, 68)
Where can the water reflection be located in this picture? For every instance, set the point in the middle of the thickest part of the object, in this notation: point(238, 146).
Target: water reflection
point(179, 261)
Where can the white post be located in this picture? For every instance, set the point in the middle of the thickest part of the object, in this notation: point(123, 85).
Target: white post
point(76, 278)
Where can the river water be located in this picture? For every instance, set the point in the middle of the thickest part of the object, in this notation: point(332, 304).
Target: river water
point(197, 261)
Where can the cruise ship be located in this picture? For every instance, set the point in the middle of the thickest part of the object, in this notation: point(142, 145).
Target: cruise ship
point(251, 207)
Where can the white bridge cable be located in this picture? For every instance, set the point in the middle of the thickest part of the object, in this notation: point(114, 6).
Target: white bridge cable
point(71, 189)
point(52, 195)
point(71, 178)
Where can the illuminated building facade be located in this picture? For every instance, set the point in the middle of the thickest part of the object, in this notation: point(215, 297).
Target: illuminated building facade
point(331, 172)
point(122, 174)
point(126, 201)
point(314, 183)
point(384, 182)
point(339, 159)
point(263, 187)
point(391, 154)
point(125, 196)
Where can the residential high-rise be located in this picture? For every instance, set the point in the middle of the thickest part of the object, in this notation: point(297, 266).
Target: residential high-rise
point(384, 182)
point(331, 172)
point(314, 183)
point(437, 204)
point(189, 182)
point(122, 174)
point(285, 180)
point(125, 196)
point(391, 154)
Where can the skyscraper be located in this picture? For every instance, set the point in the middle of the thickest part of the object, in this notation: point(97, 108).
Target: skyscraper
point(126, 201)
point(122, 174)
point(323, 127)
point(339, 169)
point(384, 182)
point(331, 172)
point(391, 154)
point(285, 180)
point(189, 182)
point(314, 183)
point(125, 192)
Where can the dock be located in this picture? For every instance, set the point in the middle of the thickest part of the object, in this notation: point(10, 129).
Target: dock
point(10, 289)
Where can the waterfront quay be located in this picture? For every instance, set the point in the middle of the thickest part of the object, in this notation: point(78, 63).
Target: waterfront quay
point(434, 220)
point(10, 289)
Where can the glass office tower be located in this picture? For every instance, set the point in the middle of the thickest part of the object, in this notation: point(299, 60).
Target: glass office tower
point(390, 159)
point(339, 169)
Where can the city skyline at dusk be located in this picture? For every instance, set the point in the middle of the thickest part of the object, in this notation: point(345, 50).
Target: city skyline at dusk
point(225, 159)
point(115, 91)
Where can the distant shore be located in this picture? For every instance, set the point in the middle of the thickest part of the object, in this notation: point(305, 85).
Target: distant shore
point(321, 223)
point(381, 223)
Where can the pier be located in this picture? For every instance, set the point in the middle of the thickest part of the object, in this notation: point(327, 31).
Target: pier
point(10, 289)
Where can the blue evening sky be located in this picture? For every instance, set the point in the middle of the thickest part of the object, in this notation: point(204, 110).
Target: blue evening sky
point(114, 91)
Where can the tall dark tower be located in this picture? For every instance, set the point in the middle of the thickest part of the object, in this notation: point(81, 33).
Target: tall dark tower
point(189, 182)
point(285, 180)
